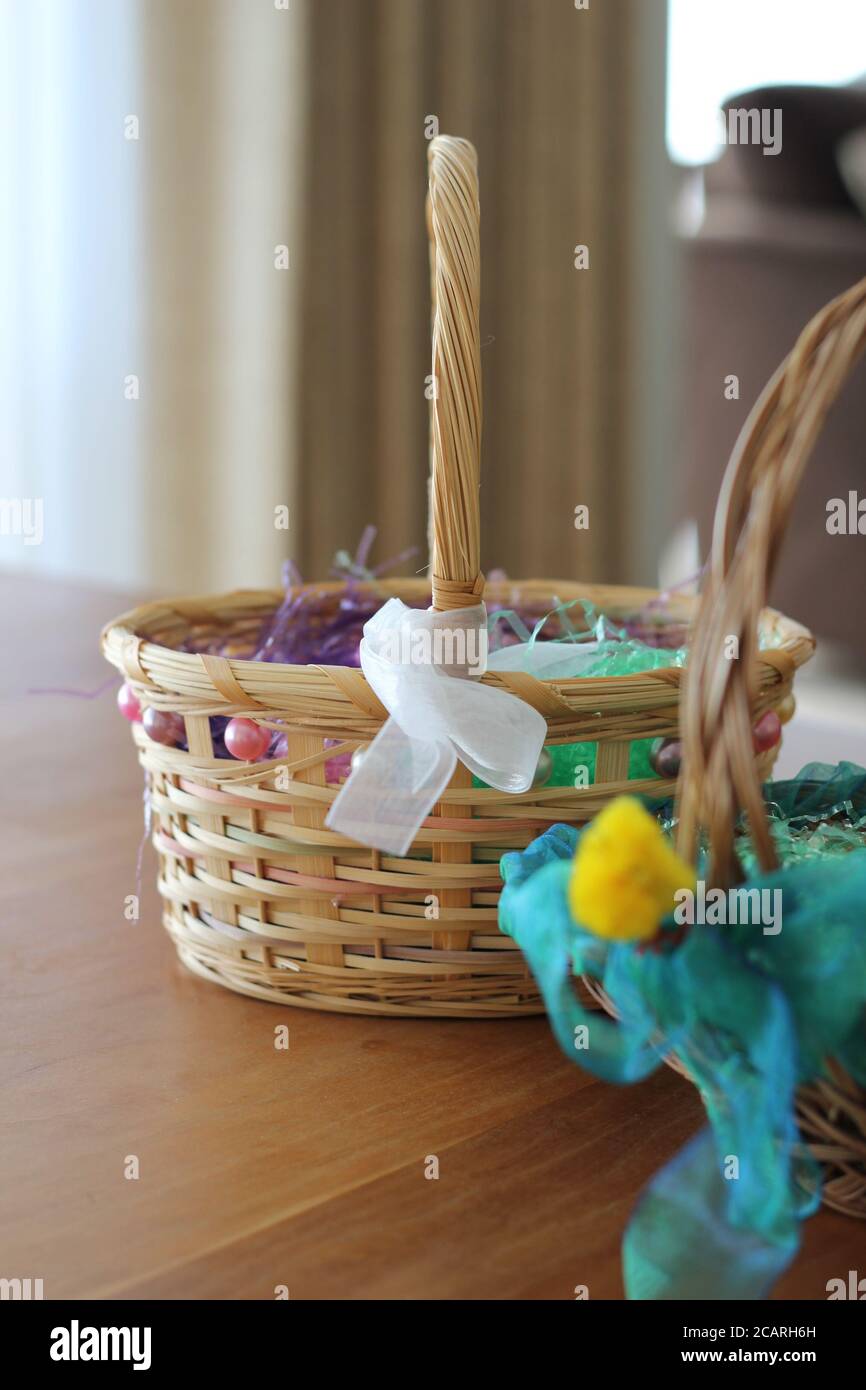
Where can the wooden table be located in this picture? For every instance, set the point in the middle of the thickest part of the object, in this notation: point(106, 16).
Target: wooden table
point(258, 1167)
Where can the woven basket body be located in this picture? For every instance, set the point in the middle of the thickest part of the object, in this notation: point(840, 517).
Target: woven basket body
point(251, 877)
point(261, 896)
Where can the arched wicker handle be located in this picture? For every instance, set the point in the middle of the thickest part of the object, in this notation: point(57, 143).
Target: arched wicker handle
point(719, 777)
point(453, 222)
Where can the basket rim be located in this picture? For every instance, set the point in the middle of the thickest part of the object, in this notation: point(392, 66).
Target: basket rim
point(157, 667)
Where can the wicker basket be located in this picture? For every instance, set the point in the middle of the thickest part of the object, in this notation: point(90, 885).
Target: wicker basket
point(719, 779)
point(262, 897)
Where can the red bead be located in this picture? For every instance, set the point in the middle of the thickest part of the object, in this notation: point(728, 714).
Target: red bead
point(767, 731)
point(162, 726)
point(128, 704)
point(247, 740)
point(665, 757)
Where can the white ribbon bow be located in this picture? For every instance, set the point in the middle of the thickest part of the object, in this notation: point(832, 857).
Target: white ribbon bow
point(438, 714)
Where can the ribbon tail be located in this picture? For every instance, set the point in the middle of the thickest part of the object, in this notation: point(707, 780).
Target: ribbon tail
point(386, 799)
point(681, 1244)
point(534, 911)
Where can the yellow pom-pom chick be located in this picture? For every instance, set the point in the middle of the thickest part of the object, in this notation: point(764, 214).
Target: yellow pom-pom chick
point(625, 874)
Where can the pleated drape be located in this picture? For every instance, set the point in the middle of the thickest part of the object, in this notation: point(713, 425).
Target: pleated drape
point(550, 95)
point(171, 384)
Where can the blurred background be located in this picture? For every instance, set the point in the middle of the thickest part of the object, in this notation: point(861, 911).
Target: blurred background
point(215, 278)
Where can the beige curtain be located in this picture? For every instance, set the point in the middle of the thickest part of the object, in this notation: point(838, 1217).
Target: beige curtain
point(223, 102)
point(149, 341)
point(302, 124)
point(565, 107)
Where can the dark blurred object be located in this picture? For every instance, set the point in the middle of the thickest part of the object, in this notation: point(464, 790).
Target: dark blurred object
point(781, 236)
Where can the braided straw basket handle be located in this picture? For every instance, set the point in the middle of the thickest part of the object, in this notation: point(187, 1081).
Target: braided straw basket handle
point(719, 777)
point(454, 227)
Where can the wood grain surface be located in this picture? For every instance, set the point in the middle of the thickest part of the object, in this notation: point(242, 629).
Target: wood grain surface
point(260, 1167)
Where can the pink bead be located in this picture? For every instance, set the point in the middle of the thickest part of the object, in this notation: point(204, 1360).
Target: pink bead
point(767, 731)
point(247, 740)
point(128, 704)
point(336, 769)
point(162, 726)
